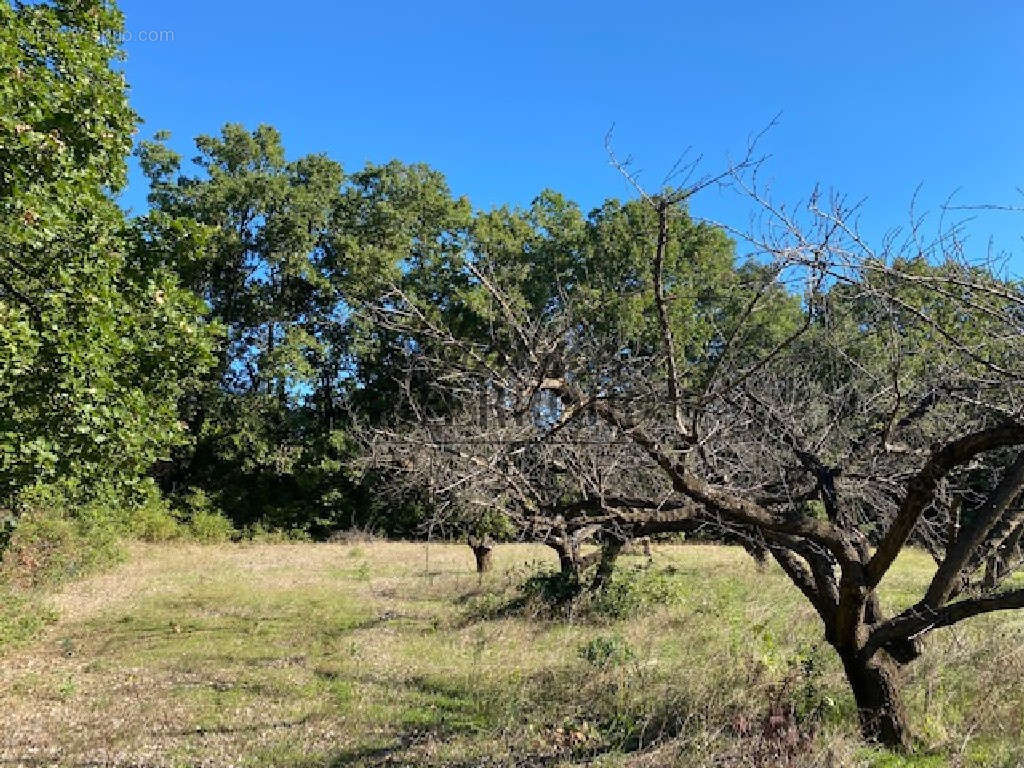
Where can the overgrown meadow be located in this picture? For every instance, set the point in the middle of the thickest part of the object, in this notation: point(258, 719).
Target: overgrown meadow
point(372, 654)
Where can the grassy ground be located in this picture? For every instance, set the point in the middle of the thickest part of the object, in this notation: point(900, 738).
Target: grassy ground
point(380, 654)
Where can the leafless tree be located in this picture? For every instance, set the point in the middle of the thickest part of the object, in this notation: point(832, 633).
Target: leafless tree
point(508, 458)
point(889, 414)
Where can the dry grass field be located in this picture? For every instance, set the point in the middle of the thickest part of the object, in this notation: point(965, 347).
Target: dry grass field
point(396, 654)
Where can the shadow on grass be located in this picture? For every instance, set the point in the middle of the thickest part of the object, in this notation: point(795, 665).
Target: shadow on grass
point(219, 730)
point(159, 636)
point(376, 756)
point(400, 752)
point(438, 708)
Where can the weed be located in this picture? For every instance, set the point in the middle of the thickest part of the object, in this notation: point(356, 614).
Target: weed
point(606, 651)
point(21, 618)
point(67, 688)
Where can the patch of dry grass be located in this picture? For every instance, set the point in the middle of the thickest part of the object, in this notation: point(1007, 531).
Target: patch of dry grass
point(369, 654)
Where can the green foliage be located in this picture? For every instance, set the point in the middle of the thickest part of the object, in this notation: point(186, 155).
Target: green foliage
point(97, 341)
point(153, 520)
point(261, 533)
point(550, 256)
point(52, 545)
point(606, 651)
point(630, 592)
point(636, 590)
point(73, 528)
point(210, 527)
point(284, 251)
point(260, 267)
point(877, 758)
point(280, 251)
point(552, 590)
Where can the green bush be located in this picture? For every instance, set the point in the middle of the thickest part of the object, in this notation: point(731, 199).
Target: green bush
point(154, 522)
point(66, 530)
point(50, 547)
point(211, 527)
point(630, 592)
point(635, 591)
point(203, 520)
point(606, 651)
point(550, 589)
point(264, 534)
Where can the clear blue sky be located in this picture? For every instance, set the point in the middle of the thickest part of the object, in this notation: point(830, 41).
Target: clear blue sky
point(509, 98)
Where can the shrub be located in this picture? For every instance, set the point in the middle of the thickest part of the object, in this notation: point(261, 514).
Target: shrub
point(205, 522)
point(68, 529)
point(49, 547)
point(635, 591)
point(211, 527)
point(630, 592)
point(263, 534)
point(550, 589)
point(154, 522)
point(607, 651)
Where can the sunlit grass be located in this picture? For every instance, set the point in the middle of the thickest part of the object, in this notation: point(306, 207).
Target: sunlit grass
point(373, 654)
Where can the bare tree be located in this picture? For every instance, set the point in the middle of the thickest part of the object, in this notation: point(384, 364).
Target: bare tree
point(888, 413)
point(512, 459)
point(893, 414)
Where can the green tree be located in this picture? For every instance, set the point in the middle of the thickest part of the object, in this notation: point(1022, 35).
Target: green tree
point(397, 225)
point(96, 339)
point(261, 267)
point(288, 249)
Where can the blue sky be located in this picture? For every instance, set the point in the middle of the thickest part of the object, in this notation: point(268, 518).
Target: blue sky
point(509, 98)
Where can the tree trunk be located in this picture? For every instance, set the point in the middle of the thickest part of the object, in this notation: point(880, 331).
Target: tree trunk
point(606, 565)
point(566, 562)
point(993, 570)
point(483, 559)
point(482, 549)
point(883, 717)
point(568, 558)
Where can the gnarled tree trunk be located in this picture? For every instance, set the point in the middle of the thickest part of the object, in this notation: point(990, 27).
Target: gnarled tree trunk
point(606, 565)
point(482, 548)
point(875, 685)
point(568, 556)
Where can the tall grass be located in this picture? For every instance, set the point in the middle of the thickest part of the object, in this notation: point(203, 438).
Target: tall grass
point(378, 654)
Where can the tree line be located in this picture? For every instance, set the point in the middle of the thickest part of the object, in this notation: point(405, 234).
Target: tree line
point(303, 348)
